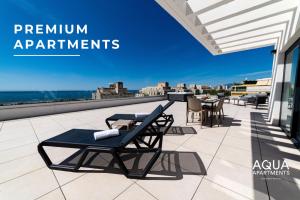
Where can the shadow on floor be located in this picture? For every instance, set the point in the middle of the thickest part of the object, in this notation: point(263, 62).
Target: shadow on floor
point(215, 120)
point(171, 165)
point(274, 146)
point(181, 130)
point(224, 122)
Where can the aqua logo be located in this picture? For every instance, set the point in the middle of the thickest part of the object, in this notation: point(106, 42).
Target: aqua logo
point(271, 168)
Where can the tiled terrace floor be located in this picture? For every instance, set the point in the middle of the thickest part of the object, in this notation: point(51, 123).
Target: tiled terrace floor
point(207, 163)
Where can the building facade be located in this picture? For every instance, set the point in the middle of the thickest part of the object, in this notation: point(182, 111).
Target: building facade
point(259, 86)
point(115, 90)
point(161, 89)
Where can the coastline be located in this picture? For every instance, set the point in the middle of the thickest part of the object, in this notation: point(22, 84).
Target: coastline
point(29, 97)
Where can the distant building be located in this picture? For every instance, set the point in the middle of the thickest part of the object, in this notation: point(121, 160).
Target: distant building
point(228, 86)
point(161, 89)
point(264, 81)
point(194, 89)
point(181, 87)
point(205, 88)
point(221, 87)
point(199, 87)
point(252, 87)
point(115, 90)
point(192, 86)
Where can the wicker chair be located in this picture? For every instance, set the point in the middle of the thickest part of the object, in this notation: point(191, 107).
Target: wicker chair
point(194, 106)
point(218, 111)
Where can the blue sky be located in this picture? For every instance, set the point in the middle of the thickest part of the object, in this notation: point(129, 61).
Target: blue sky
point(153, 47)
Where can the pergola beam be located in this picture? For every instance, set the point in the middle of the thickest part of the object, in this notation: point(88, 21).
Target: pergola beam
point(247, 24)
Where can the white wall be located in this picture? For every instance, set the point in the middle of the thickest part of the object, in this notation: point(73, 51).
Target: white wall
point(39, 109)
point(275, 96)
point(278, 72)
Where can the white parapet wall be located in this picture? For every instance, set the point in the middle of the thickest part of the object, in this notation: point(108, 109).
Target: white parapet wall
point(40, 109)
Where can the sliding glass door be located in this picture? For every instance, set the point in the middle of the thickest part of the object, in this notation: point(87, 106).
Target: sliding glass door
point(289, 119)
point(296, 114)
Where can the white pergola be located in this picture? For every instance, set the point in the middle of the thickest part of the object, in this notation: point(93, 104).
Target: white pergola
point(225, 26)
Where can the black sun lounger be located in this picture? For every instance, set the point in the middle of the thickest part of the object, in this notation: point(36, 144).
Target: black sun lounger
point(164, 121)
point(84, 140)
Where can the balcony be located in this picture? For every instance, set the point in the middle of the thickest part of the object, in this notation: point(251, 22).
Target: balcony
point(207, 163)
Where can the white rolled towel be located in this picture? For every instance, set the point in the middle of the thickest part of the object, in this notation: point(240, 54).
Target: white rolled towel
point(105, 134)
point(141, 115)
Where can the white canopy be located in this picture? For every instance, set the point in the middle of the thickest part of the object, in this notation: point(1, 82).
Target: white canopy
point(225, 26)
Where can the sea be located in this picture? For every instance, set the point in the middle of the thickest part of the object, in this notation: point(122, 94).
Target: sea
point(26, 97)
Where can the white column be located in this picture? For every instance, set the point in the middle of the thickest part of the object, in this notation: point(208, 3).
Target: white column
point(275, 96)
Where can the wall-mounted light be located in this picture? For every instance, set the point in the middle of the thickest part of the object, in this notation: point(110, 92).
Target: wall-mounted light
point(274, 51)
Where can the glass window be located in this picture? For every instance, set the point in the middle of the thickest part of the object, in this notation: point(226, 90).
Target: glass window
point(288, 93)
point(241, 89)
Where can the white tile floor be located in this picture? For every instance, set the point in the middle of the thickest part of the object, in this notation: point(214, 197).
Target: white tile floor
point(207, 163)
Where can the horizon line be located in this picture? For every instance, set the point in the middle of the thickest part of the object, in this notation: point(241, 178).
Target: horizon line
point(56, 90)
point(46, 55)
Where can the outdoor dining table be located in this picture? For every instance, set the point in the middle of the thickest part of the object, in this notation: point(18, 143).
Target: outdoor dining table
point(211, 103)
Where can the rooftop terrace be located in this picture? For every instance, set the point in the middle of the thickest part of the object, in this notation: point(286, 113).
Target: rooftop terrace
point(207, 163)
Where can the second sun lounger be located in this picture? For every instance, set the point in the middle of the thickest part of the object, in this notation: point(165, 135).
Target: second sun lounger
point(164, 121)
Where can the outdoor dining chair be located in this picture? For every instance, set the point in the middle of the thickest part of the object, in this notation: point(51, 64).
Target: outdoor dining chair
point(195, 106)
point(217, 110)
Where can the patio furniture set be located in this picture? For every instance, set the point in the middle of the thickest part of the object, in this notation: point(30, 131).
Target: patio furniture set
point(255, 100)
point(145, 137)
point(136, 134)
point(205, 107)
